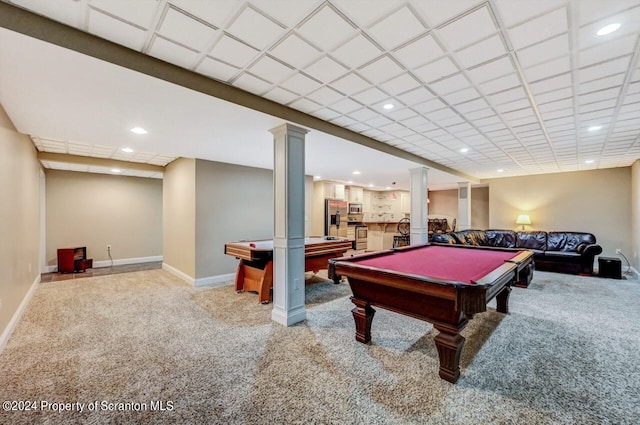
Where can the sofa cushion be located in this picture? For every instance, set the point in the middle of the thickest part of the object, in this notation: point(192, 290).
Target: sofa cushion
point(472, 237)
point(501, 238)
point(569, 241)
point(562, 256)
point(532, 240)
point(444, 238)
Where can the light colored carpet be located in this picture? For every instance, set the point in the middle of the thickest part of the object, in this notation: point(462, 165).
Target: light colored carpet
point(568, 353)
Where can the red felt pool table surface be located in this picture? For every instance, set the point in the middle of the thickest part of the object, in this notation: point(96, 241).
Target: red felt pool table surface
point(442, 262)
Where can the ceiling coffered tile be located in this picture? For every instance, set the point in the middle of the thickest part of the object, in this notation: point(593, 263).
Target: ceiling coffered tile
point(370, 96)
point(553, 67)
point(450, 84)
point(554, 95)
point(507, 96)
point(515, 12)
point(512, 106)
point(295, 51)
point(491, 70)
point(351, 83)
point(218, 15)
point(416, 96)
point(126, 34)
point(344, 121)
point(609, 50)
point(325, 69)
point(280, 95)
point(436, 70)
point(500, 84)
point(363, 114)
point(555, 83)
point(171, 52)
point(430, 105)
point(483, 51)
point(356, 52)
point(468, 29)
point(629, 20)
point(435, 12)
point(346, 105)
point(216, 69)
point(480, 113)
point(554, 106)
point(326, 29)
point(461, 96)
point(252, 83)
point(616, 66)
point(419, 52)
point(599, 105)
point(141, 14)
point(255, 28)
point(325, 96)
point(380, 70)
point(185, 30)
point(538, 29)
point(544, 52)
point(271, 70)
point(300, 84)
point(401, 114)
point(379, 121)
point(472, 105)
point(602, 83)
point(599, 95)
point(305, 105)
point(233, 52)
point(327, 114)
point(397, 28)
point(400, 84)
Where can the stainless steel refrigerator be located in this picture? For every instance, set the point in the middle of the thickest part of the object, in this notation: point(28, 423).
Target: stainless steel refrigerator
point(335, 218)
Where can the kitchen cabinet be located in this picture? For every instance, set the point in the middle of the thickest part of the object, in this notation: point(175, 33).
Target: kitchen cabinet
point(405, 203)
point(366, 201)
point(356, 194)
point(334, 191)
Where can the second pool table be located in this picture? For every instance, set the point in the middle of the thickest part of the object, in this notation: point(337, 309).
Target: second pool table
point(444, 285)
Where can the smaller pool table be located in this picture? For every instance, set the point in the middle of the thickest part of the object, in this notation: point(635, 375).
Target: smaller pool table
point(444, 285)
point(255, 268)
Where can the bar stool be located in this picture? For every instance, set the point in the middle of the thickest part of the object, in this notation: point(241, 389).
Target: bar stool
point(404, 228)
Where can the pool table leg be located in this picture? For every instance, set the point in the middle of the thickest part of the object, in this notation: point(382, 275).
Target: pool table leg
point(363, 316)
point(449, 343)
point(502, 300)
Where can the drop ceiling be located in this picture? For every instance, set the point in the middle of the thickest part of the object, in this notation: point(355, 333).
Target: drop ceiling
point(524, 86)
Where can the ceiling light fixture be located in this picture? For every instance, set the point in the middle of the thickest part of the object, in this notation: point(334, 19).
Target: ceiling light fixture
point(115, 170)
point(387, 187)
point(127, 150)
point(464, 150)
point(139, 130)
point(356, 172)
point(500, 170)
point(350, 182)
point(594, 128)
point(608, 29)
point(371, 185)
point(388, 106)
point(589, 161)
point(317, 177)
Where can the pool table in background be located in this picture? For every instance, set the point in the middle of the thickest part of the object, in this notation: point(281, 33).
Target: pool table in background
point(255, 268)
point(443, 285)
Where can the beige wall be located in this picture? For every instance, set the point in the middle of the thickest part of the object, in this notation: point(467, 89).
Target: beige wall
point(96, 210)
point(233, 203)
point(179, 216)
point(444, 204)
point(635, 215)
point(597, 202)
point(20, 218)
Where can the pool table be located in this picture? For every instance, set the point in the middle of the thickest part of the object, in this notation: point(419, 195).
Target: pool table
point(255, 268)
point(444, 285)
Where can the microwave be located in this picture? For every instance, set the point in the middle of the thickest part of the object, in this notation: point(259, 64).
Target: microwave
point(355, 208)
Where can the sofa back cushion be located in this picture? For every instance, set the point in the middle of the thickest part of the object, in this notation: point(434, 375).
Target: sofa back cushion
point(568, 241)
point(444, 238)
point(532, 240)
point(471, 237)
point(501, 238)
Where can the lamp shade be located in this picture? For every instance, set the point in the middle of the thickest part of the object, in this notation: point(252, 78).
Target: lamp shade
point(523, 219)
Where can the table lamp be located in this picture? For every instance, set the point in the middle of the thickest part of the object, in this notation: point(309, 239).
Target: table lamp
point(523, 219)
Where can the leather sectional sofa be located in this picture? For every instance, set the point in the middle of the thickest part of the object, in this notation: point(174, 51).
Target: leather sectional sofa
point(566, 252)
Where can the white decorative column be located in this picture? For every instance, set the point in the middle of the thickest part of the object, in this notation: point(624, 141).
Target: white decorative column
point(288, 226)
point(464, 206)
point(419, 207)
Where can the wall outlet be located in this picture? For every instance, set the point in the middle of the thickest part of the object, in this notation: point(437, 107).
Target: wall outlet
point(108, 247)
point(618, 251)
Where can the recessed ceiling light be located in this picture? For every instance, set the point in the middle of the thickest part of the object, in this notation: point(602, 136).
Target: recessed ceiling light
point(350, 182)
point(499, 170)
point(608, 29)
point(388, 106)
point(115, 170)
point(388, 187)
point(589, 161)
point(371, 185)
point(594, 128)
point(317, 177)
point(356, 172)
point(464, 150)
point(139, 130)
point(127, 150)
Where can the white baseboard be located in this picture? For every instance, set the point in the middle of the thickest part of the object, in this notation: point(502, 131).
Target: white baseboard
point(6, 334)
point(219, 280)
point(118, 262)
point(214, 281)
